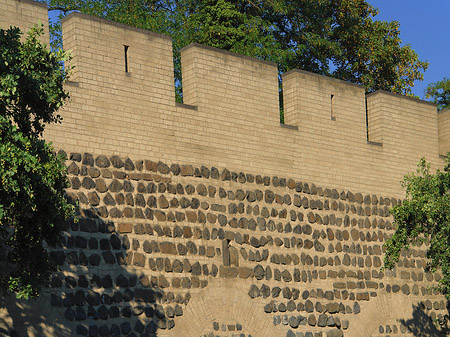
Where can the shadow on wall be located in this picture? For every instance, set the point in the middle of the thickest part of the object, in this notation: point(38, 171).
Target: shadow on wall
point(423, 325)
point(99, 289)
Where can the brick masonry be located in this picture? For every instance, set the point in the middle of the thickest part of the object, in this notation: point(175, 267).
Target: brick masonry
point(210, 218)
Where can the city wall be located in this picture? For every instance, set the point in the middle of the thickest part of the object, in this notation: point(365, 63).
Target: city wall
point(210, 218)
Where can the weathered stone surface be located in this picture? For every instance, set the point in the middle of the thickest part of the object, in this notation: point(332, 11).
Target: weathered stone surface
point(259, 272)
point(312, 321)
point(229, 272)
point(196, 269)
point(356, 308)
point(286, 275)
point(73, 169)
point(88, 159)
point(162, 282)
point(309, 307)
point(93, 172)
point(88, 183)
point(322, 321)
point(405, 289)
point(138, 260)
point(254, 291)
point(332, 307)
point(335, 333)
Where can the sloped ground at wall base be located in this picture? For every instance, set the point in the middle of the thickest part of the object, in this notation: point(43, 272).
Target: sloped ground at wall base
point(32, 318)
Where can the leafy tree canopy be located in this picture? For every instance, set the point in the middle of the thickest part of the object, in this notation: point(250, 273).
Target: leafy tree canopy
point(33, 206)
point(424, 218)
point(439, 92)
point(336, 38)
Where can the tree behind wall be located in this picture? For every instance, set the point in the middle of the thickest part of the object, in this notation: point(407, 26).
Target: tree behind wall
point(33, 206)
point(439, 92)
point(337, 38)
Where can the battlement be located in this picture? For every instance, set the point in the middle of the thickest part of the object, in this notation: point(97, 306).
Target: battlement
point(244, 87)
point(123, 99)
point(119, 58)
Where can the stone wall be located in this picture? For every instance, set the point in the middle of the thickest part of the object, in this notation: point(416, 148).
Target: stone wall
point(154, 237)
point(210, 218)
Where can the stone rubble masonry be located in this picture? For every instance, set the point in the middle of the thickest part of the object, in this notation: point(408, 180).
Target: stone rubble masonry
point(209, 217)
point(302, 257)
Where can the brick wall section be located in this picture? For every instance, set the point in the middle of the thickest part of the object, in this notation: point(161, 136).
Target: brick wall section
point(375, 120)
point(409, 126)
point(99, 58)
point(308, 105)
point(231, 87)
point(24, 14)
point(109, 107)
point(444, 131)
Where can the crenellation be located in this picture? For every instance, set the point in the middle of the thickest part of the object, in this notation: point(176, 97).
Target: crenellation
point(98, 58)
point(246, 88)
point(316, 102)
point(393, 113)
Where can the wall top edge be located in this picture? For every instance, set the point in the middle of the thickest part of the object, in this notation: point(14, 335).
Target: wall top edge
point(417, 100)
point(32, 2)
point(116, 24)
point(226, 52)
point(332, 79)
point(443, 111)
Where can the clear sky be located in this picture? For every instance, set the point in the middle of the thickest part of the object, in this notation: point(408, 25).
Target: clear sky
point(425, 26)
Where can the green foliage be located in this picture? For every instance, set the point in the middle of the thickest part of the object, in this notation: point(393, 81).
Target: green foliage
point(31, 81)
point(342, 33)
point(33, 206)
point(336, 38)
point(424, 218)
point(371, 53)
point(225, 25)
point(440, 93)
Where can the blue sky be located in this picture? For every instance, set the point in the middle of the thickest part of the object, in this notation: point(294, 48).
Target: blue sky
point(425, 26)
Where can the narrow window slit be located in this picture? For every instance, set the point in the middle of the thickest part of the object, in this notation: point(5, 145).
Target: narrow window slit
point(367, 121)
point(333, 117)
point(125, 48)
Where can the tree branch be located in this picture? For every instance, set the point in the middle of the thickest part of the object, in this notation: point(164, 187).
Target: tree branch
point(63, 9)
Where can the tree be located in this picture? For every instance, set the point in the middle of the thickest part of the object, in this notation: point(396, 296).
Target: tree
point(336, 38)
point(439, 92)
point(33, 206)
point(424, 218)
point(340, 38)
